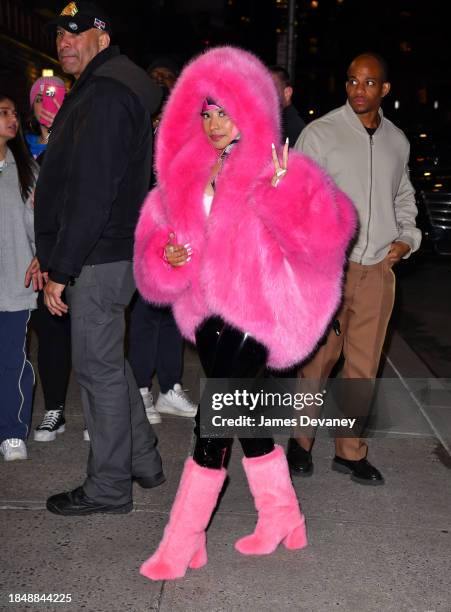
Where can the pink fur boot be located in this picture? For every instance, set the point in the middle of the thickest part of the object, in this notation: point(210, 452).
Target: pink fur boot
point(279, 515)
point(184, 540)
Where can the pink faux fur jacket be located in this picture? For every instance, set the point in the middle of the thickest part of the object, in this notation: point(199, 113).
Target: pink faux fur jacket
point(268, 260)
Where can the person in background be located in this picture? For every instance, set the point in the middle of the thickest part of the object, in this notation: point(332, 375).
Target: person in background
point(156, 344)
point(164, 71)
point(292, 122)
point(93, 180)
point(41, 120)
point(53, 333)
point(17, 179)
point(368, 158)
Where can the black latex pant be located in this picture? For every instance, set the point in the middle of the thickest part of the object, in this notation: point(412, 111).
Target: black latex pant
point(226, 352)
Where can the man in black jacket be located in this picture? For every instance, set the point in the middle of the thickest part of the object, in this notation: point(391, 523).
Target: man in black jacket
point(93, 180)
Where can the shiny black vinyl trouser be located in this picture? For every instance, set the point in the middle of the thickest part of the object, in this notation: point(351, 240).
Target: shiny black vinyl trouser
point(226, 352)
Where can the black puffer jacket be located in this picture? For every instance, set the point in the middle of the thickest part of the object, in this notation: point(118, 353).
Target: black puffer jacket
point(96, 169)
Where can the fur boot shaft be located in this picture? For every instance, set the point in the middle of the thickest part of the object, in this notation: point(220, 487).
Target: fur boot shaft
point(268, 260)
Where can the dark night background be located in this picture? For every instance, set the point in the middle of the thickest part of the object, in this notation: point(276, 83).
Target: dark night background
point(412, 35)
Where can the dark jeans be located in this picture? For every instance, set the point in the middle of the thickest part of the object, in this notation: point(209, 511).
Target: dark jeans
point(16, 376)
point(155, 345)
point(226, 352)
point(54, 349)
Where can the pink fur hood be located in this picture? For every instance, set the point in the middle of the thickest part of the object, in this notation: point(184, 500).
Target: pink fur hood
point(268, 260)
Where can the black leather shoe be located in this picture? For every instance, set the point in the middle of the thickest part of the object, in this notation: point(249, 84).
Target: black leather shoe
point(361, 471)
point(299, 460)
point(76, 503)
point(148, 482)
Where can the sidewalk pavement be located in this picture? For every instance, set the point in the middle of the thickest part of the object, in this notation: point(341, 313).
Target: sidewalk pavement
point(372, 549)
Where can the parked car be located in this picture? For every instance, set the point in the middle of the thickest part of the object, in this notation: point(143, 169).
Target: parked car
point(430, 172)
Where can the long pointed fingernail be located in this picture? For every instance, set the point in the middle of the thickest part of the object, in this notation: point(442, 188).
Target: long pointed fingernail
point(188, 259)
point(273, 146)
point(287, 140)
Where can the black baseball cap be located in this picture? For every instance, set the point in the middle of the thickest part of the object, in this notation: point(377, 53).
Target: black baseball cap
point(77, 17)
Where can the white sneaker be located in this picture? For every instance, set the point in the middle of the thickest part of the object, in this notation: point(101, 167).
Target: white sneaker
point(86, 437)
point(13, 449)
point(175, 401)
point(152, 415)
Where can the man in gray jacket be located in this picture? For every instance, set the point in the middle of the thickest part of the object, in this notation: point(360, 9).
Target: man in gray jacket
point(368, 158)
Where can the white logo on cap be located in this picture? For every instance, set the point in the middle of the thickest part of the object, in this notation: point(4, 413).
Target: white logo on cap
point(73, 25)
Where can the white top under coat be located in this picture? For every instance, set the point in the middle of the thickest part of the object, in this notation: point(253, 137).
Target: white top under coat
point(208, 199)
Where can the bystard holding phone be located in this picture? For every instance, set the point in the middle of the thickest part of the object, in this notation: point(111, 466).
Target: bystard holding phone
point(51, 103)
point(46, 97)
point(54, 357)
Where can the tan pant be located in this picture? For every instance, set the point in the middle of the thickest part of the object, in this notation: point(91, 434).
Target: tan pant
point(368, 299)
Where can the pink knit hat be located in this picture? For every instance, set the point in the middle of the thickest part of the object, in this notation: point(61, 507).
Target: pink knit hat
point(40, 84)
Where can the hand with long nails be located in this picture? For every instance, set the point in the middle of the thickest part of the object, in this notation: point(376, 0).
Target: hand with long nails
point(177, 254)
point(279, 170)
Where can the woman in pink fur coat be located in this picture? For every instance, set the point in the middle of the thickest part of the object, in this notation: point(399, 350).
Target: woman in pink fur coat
point(247, 244)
